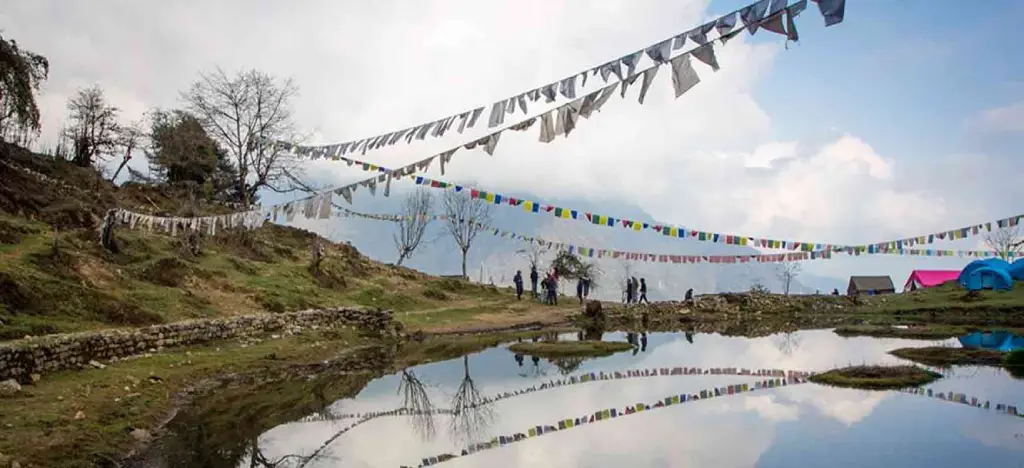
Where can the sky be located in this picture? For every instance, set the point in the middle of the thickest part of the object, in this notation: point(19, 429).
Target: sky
point(905, 119)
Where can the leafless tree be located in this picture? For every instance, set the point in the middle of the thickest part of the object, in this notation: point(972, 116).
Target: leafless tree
point(417, 402)
point(247, 113)
point(415, 216)
point(1007, 241)
point(533, 253)
point(470, 411)
point(465, 218)
point(92, 128)
point(129, 137)
point(787, 343)
point(787, 271)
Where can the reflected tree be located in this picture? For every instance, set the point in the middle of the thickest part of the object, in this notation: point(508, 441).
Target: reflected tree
point(568, 365)
point(257, 458)
point(471, 413)
point(787, 343)
point(417, 402)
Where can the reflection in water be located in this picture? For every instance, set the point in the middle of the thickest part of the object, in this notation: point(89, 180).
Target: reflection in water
point(470, 414)
point(809, 425)
point(416, 399)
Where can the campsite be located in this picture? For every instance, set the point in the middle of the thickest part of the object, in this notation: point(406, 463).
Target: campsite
point(406, 234)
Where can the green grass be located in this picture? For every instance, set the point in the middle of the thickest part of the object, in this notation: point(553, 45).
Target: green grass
point(945, 356)
point(876, 377)
point(559, 349)
point(923, 332)
point(949, 296)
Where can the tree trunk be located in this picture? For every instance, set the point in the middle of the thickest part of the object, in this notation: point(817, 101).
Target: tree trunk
point(401, 258)
point(464, 275)
point(124, 162)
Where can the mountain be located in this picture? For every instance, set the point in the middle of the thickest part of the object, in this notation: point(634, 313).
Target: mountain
point(495, 259)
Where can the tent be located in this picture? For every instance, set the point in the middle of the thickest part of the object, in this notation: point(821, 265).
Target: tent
point(1001, 340)
point(995, 263)
point(987, 278)
point(1016, 270)
point(870, 285)
point(929, 278)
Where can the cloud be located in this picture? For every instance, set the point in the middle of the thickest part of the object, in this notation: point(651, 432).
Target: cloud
point(1006, 119)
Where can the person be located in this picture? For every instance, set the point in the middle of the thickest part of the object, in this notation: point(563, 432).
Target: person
point(518, 280)
point(629, 290)
point(835, 291)
point(643, 291)
point(586, 286)
point(643, 342)
point(519, 359)
point(636, 286)
point(553, 289)
point(533, 280)
point(689, 295)
point(579, 290)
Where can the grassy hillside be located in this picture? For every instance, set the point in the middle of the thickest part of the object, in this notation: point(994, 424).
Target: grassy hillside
point(55, 277)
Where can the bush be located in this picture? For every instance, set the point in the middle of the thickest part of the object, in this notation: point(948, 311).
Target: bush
point(435, 294)
point(1014, 363)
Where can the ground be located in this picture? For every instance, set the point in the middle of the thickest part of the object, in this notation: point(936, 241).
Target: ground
point(55, 278)
point(945, 356)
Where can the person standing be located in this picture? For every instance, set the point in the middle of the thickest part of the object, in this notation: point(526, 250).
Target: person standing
point(553, 289)
point(636, 286)
point(629, 291)
point(689, 296)
point(533, 280)
point(518, 281)
point(643, 291)
point(579, 290)
point(586, 287)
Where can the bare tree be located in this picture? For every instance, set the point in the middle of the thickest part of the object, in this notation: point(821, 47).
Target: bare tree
point(470, 411)
point(415, 216)
point(787, 271)
point(1007, 241)
point(129, 137)
point(465, 218)
point(533, 253)
point(627, 273)
point(247, 113)
point(92, 128)
point(417, 402)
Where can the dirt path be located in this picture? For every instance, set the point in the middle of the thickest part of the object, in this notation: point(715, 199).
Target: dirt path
point(475, 316)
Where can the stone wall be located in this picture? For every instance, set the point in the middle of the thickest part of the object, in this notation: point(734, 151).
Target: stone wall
point(20, 359)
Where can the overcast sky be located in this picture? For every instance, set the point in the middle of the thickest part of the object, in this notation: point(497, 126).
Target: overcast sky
point(904, 119)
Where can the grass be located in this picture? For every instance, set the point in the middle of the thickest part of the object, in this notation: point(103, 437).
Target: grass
point(945, 356)
point(921, 332)
point(950, 296)
point(876, 377)
point(559, 349)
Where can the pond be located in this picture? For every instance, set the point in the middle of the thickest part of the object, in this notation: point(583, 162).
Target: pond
point(798, 424)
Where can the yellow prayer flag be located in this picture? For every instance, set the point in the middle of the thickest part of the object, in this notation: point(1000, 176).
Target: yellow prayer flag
point(602, 219)
point(527, 205)
point(743, 241)
point(568, 423)
point(490, 197)
point(533, 432)
point(606, 414)
point(566, 213)
point(637, 226)
point(674, 232)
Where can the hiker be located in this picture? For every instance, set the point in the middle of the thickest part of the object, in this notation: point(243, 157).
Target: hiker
point(633, 293)
point(518, 280)
point(553, 289)
point(586, 286)
point(643, 292)
point(579, 290)
point(689, 295)
point(629, 291)
point(643, 342)
point(519, 359)
point(533, 280)
point(835, 291)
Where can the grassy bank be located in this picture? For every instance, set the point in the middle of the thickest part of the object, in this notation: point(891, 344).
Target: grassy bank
point(876, 377)
point(558, 349)
point(946, 356)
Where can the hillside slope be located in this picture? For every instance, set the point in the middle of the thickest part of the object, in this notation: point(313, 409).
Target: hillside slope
point(55, 277)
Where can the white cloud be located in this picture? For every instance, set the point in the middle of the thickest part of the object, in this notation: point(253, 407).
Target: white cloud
point(1008, 119)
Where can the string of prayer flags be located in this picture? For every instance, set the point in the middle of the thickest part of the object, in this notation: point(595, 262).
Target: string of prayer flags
point(764, 13)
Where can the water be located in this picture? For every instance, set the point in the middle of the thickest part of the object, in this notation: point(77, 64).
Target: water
point(800, 425)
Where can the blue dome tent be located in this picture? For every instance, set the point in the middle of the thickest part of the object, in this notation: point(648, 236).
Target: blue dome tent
point(993, 263)
point(1016, 270)
point(987, 278)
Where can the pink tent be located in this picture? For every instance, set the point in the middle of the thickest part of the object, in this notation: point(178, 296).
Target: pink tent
point(929, 278)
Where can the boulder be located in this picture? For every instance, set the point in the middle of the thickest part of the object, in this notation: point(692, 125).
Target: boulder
point(9, 388)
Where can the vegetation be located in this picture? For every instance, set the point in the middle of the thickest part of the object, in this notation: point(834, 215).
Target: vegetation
point(876, 377)
point(22, 72)
point(948, 297)
point(1014, 363)
point(559, 349)
point(465, 217)
point(918, 332)
point(947, 356)
point(414, 217)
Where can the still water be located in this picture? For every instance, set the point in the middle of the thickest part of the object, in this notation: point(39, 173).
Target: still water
point(798, 425)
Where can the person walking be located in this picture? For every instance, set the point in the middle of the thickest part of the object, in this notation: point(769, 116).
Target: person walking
point(643, 291)
point(629, 291)
point(579, 290)
point(518, 281)
point(586, 287)
point(689, 296)
point(533, 280)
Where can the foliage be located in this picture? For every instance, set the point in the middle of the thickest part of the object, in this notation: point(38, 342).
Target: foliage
point(757, 288)
point(182, 154)
point(21, 74)
point(92, 126)
point(569, 266)
point(414, 217)
point(246, 114)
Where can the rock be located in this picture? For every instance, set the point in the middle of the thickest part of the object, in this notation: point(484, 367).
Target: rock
point(15, 464)
point(141, 435)
point(97, 364)
point(134, 381)
point(9, 388)
point(79, 415)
